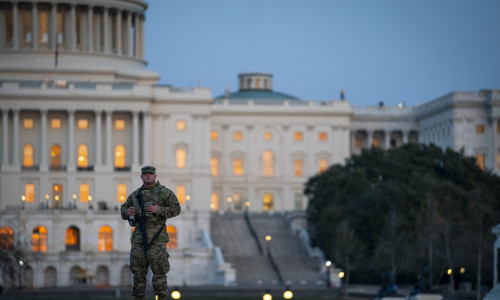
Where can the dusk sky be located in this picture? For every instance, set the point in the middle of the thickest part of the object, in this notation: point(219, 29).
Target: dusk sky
point(389, 50)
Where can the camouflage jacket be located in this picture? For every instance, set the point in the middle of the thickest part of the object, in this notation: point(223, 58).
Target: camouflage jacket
point(168, 207)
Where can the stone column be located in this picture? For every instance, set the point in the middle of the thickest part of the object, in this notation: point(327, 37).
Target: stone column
point(353, 141)
point(44, 166)
point(370, 139)
point(141, 42)
point(15, 136)
point(71, 138)
point(135, 141)
point(90, 29)
point(387, 136)
point(406, 134)
point(128, 42)
point(106, 27)
point(53, 27)
point(205, 119)
point(72, 28)
point(136, 36)
point(15, 25)
point(34, 25)
point(108, 163)
point(98, 139)
point(146, 140)
point(5, 137)
point(118, 31)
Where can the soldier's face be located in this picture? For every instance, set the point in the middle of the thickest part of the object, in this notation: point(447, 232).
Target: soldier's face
point(148, 178)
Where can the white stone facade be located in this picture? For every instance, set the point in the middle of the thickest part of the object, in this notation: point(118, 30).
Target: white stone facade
point(85, 125)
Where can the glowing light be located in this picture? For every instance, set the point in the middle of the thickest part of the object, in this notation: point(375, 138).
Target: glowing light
point(74, 196)
point(247, 203)
point(288, 295)
point(47, 196)
point(23, 198)
point(341, 275)
point(188, 197)
point(267, 297)
point(176, 295)
point(450, 271)
point(462, 270)
point(268, 238)
point(229, 199)
point(328, 263)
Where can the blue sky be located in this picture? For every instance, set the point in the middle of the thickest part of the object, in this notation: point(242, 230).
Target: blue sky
point(389, 50)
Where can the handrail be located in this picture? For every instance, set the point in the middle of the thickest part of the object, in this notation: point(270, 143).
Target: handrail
point(253, 232)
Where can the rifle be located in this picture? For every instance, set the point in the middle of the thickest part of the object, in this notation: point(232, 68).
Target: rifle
point(142, 225)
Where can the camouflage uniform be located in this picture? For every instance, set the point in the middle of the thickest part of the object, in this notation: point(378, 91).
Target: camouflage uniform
point(168, 207)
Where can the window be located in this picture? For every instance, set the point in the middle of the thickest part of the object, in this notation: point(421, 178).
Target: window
point(298, 168)
point(121, 192)
point(105, 239)
point(43, 26)
point(376, 142)
point(29, 192)
point(238, 167)
point(28, 156)
point(83, 124)
point(268, 163)
point(55, 156)
point(298, 201)
point(268, 136)
point(214, 135)
point(322, 165)
point(322, 136)
point(268, 201)
point(39, 239)
point(120, 124)
point(180, 125)
point(55, 124)
point(84, 192)
point(120, 156)
point(6, 238)
point(180, 158)
point(28, 123)
point(60, 28)
point(180, 191)
point(237, 199)
point(298, 136)
point(26, 35)
point(72, 239)
point(57, 195)
point(357, 142)
point(172, 237)
point(480, 160)
point(238, 135)
point(480, 129)
point(214, 201)
point(257, 83)
point(214, 166)
point(83, 159)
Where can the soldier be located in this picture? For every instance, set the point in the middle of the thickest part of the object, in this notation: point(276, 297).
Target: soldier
point(147, 209)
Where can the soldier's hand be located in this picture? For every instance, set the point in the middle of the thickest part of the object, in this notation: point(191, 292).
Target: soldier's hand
point(131, 211)
point(152, 209)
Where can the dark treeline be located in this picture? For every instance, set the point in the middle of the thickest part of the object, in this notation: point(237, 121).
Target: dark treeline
point(405, 208)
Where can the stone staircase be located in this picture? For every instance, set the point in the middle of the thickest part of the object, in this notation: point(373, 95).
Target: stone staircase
point(282, 261)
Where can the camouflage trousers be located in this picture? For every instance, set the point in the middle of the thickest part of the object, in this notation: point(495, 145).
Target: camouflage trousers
point(158, 261)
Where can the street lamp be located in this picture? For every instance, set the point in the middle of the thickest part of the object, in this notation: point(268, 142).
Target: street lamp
point(47, 200)
point(328, 264)
point(288, 294)
point(229, 200)
point(23, 199)
point(74, 200)
point(188, 197)
point(89, 198)
point(267, 296)
point(176, 294)
point(21, 274)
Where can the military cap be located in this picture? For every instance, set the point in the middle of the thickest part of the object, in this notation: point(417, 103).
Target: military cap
point(148, 169)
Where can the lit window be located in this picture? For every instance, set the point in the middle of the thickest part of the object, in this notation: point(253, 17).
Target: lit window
point(120, 156)
point(298, 168)
point(376, 142)
point(322, 136)
point(322, 165)
point(214, 201)
point(55, 124)
point(214, 135)
point(83, 124)
point(6, 238)
point(480, 160)
point(214, 166)
point(268, 163)
point(120, 124)
point(172, 237)
point(72, 239)
point(180, 125)
point(28, 123)
point(29, 192)
point(28, 156)
point(83, 159)
point(298, 136)
point(180, 191)
point(268, 136)
point(39, 239)
point(357, 142)
point(479, 128)
point(84, 192)
point(238, 167)
point(180, 158)
point(105, 239)
point(55, 156)
point(268, 201)
point(238, 135)
point(121, 192)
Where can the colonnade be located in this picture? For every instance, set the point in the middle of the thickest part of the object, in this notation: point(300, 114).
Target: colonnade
point(72, 27)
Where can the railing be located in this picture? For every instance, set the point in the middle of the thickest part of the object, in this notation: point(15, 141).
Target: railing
point(253, 232)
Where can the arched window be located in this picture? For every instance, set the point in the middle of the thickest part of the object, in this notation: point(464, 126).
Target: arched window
point(83, 156)
point(180, 158)
point(55, 156)
point(172, 237)
point(6, 238)
point(28, 153)
point(214, 201)
point(322, 165)
point(72, 239)
point(120, 156)
point(268, 163)
point(105, 239)
point(39, 239)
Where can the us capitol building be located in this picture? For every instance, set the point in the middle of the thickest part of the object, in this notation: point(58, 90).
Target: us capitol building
point(80, 114)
